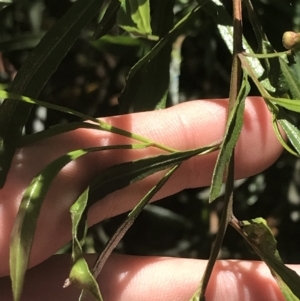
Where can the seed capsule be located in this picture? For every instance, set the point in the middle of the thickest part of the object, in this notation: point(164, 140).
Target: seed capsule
point(291, 40)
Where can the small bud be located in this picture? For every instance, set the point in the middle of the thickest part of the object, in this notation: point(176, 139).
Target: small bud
point(291, 40)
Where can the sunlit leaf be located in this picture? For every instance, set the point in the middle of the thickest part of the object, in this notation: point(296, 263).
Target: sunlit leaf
point(120, 176)
point(80, 274)
point(79, 224)
point(260, 237)
point(233, 129)
point(35, 72)
point(29, 210)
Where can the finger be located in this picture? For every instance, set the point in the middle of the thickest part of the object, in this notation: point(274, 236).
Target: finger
point(133, 278)
point(189, 125)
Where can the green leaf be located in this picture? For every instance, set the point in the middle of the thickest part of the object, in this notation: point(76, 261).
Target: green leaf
point(134, 17)
point(122, 175)
point(102, 125)
point(276, 106)
point(119, 234)
point(35, 72)
point(216, 9)
point(109, 42)
point(260, 237)
point(172, 34)
point(290, 104)
point(291, 79)
point(281, 138)
point(233, 130)
point(32, 101)
point(148, 80)
point(108, 20)
point(290, 128)
point(110, 180)
point(80, 274)
point(29, 210)
point(274, 70)
point(79, 229)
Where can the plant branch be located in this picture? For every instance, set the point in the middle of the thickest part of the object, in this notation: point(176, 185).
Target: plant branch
point(227, 213)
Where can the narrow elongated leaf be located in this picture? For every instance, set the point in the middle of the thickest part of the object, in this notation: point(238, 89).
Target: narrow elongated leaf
point(79, 224)
point(108, 20)
point(274, 70)
point(119, 234)
point(35, 72)
point(122, 175)
point(32, 101)
point(26, 220)
point(147, 89)
point(80, 273)
point(282, 139)
point(291, 129)
point(260, 237)
point(216, 9)
point(291, 80)
point(233, 129)
point(148, 80)
point(102, 125)
point(173, 33)
point(292, 132)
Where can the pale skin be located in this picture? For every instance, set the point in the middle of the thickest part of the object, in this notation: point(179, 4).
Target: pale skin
point(123, 278)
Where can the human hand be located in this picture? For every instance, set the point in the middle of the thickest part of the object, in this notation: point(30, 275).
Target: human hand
point(185, 126)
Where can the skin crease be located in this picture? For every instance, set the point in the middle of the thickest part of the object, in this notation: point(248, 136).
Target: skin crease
point(185, 126)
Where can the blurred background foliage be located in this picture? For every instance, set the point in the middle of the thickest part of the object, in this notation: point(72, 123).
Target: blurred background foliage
point(90, 79)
